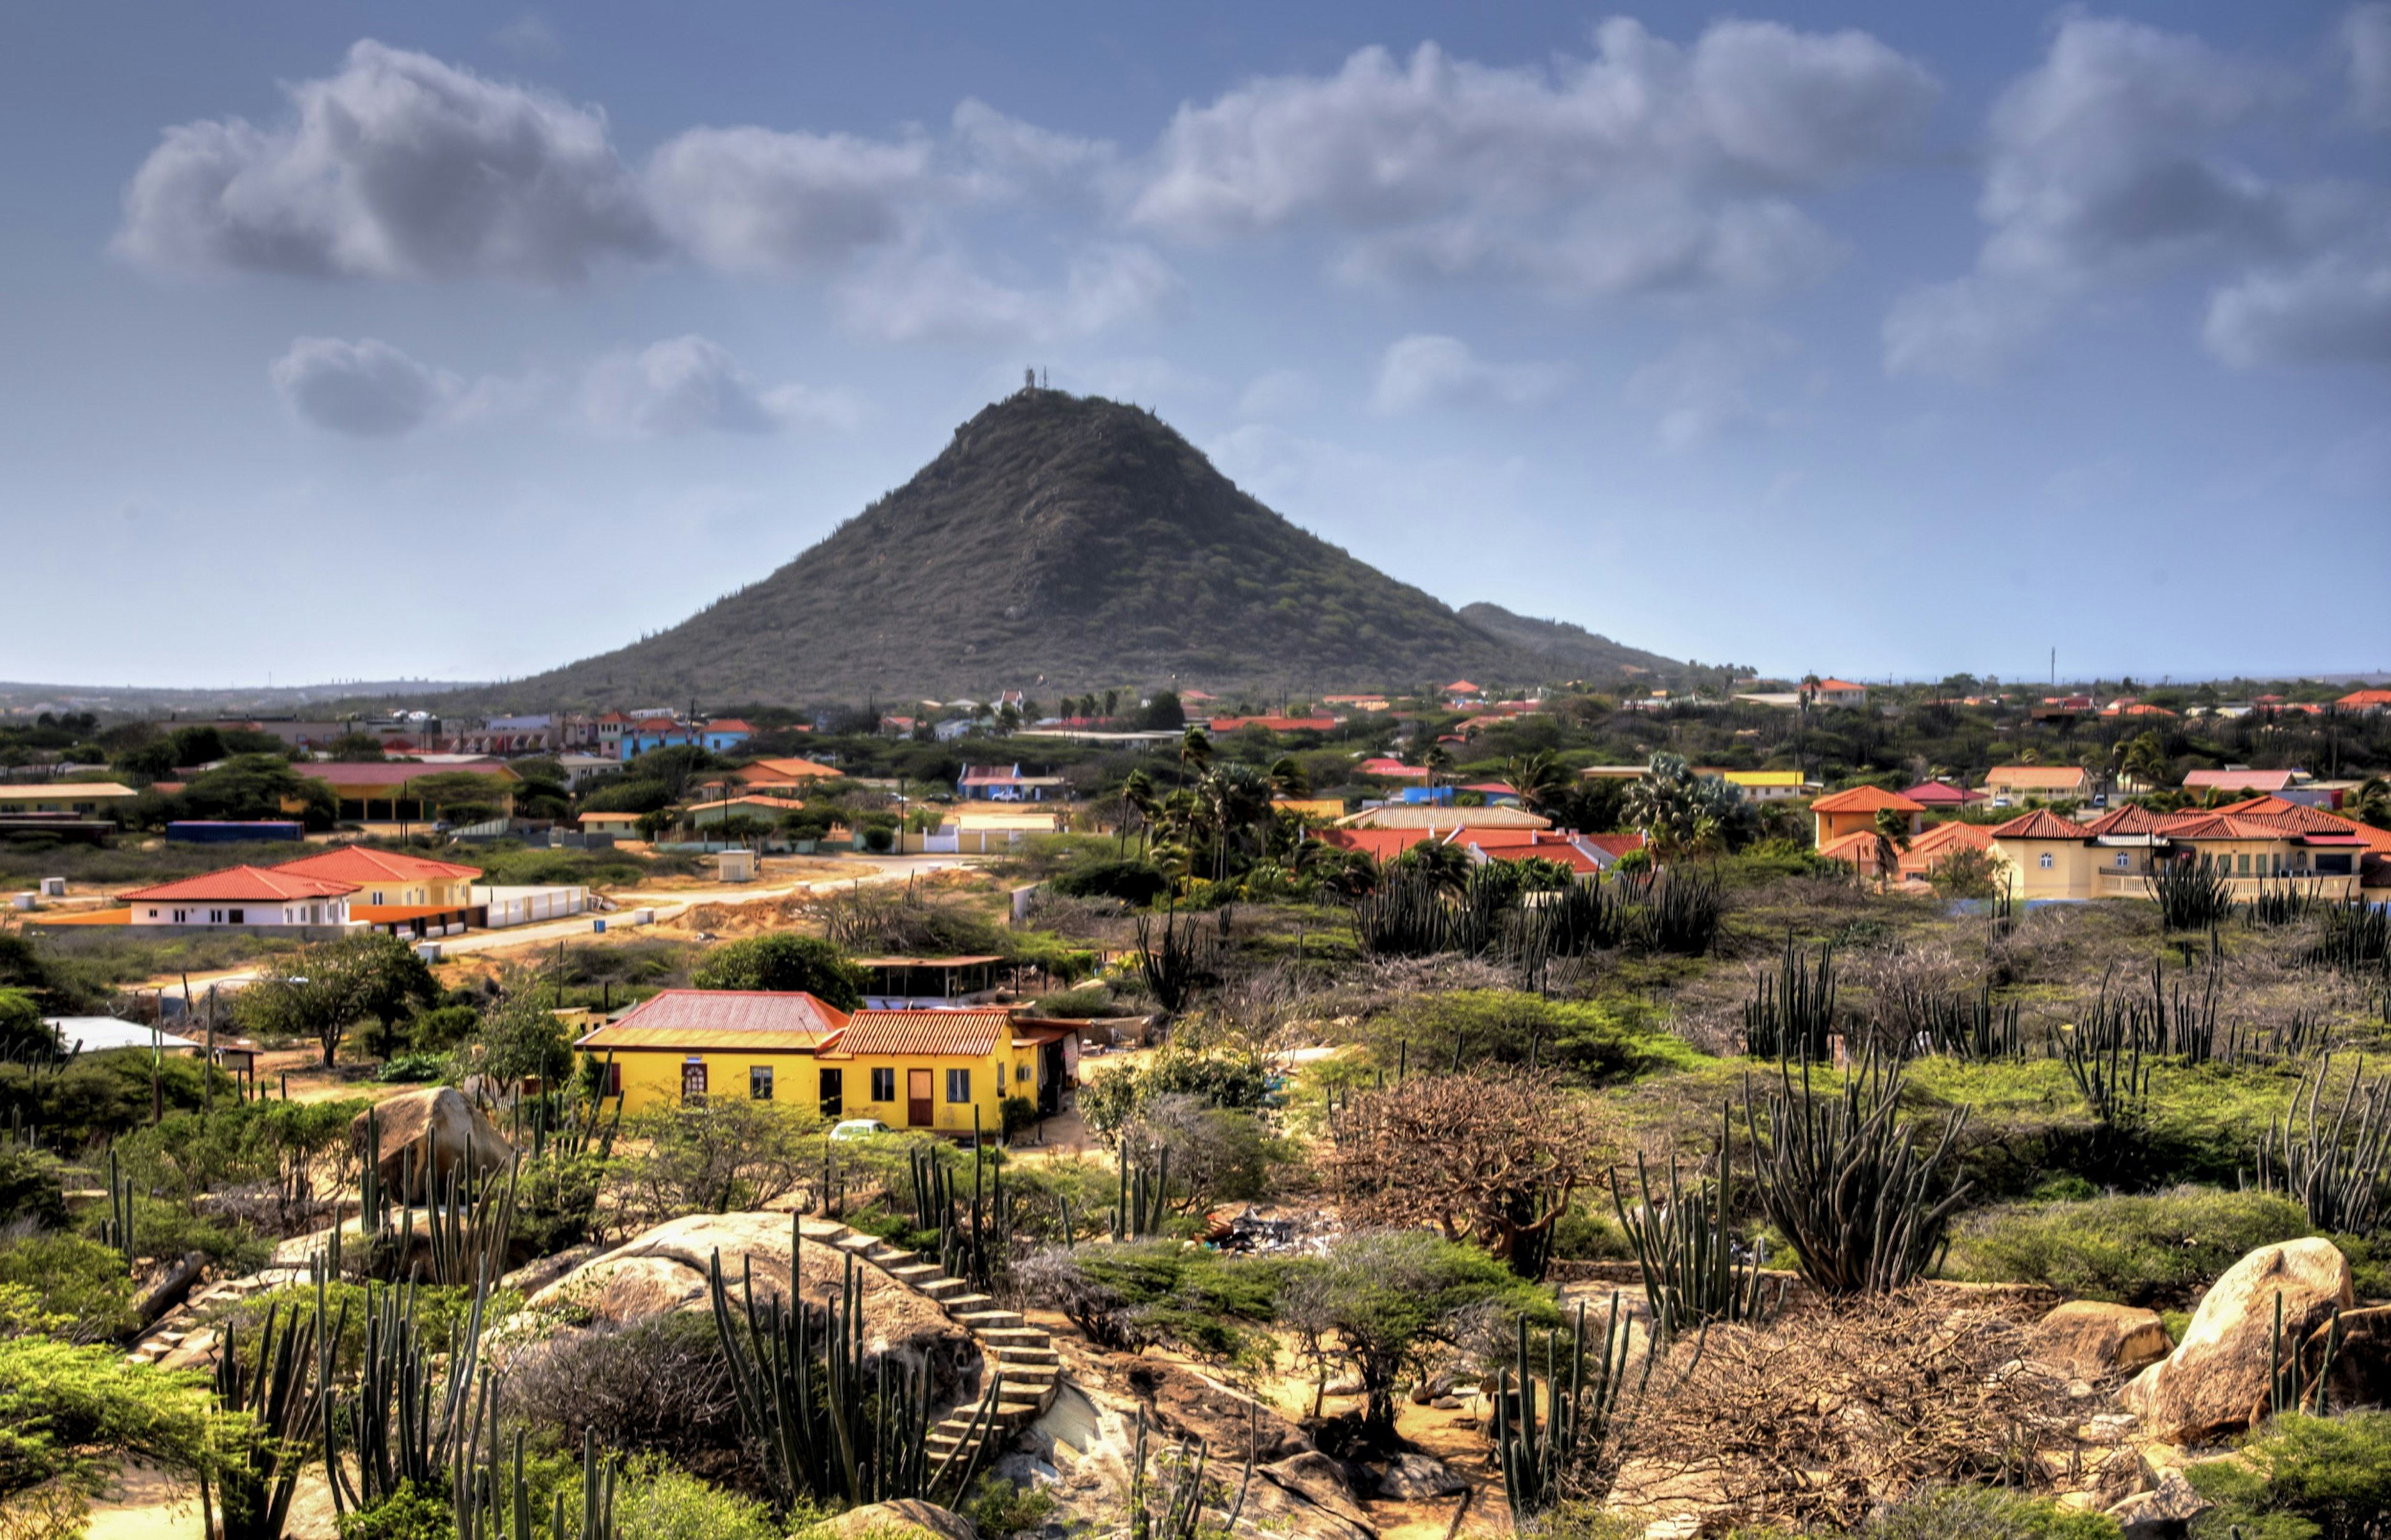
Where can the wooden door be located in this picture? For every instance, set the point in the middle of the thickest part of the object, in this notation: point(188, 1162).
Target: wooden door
point(917, 1099)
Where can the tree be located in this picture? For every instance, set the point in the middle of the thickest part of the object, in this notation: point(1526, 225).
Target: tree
point(257, 786)
point(1194, 748)
point(1217, 1155)
point(784, 962)
point(1137, 798)
point(1436, 761)
point(1538, 778)
point(1683, 813)
point(1393, 1300)
point(1491, 1158)
point(1288, 779)
point(1163, 712)
point(72, 1415)
point(326, 991)
point(719, 1154)
point(1891, 837)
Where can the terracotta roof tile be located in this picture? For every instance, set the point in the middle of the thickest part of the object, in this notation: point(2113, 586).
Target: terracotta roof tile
point(2040, 824)
point(789, 1018)
point(1865, 798)
point(240, 885)
point(354, 863)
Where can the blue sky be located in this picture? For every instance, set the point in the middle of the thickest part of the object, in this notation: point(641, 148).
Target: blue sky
point(348, 341)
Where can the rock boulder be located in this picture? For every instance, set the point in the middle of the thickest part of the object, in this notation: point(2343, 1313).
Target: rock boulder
point(2094, 1341)
point(431, 1130)
point(2216, 1380)
point(906, 1519)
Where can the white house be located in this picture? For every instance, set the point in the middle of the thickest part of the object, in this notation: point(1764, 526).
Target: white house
point(249, 898)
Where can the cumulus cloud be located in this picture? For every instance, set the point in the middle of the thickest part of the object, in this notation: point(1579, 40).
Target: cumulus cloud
point(1650, 166)
point(759, 200)
point(2108, 164)
point(398, 166)
point(366, 388)
point(1421, 371)
point(1699, 390)
point(937, 296)
point(2366, 42)
point(688, 385)
point(1008, 158)
point(2335, 309)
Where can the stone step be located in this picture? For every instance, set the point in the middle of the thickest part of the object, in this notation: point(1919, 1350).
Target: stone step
point(944, 1289)
point(984, 1320)
point(893, 1257)
point(858, 1243)
point(916, 1272)
point(1014, 1356)
point(959, 1303)
point(1014, 1336)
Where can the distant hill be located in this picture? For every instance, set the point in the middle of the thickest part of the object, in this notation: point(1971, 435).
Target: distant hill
point(1572, 651)
point(1060, 545)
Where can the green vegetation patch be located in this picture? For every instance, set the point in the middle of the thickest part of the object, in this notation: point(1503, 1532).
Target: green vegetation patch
point(2159, 1248)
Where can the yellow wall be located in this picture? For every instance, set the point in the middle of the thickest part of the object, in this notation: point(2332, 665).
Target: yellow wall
point(2069, 875)
point(652, 1079)
point(1834, 826)
point(455, 891)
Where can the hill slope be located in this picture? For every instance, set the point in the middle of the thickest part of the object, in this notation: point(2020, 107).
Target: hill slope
point(1060, 544)
point(1570, 649)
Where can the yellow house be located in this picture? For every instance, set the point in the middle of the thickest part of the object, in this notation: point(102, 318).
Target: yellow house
point(2044, 855)
point(930, 1070)
point(2008, 784)
point(686, 1045)
point(87, 798)
point(1764, 786)
point(622, 825)
point(1854, 812)
point(389, 878)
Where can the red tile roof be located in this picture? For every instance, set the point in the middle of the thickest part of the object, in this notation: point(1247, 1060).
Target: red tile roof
point(2124, 821)
point(2240, 780)
point(1275, 724)
point(1941, 794)
point(1952, 836)
point(240, 885)
point(1865, 798)
point(2040, 824)
point(2370, 700)
point(1461, 686)
point(352, 864)
point(937, 1034)
point(1839, 685)
point(782, 1012)
point(728, 725)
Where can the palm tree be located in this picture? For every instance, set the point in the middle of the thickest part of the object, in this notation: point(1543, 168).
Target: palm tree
point(1892, 838)
point(1137, 798)
point(1196, 746)
point(1436, 762)
point(1538, 778)
point(2372, 803)
point(1288, 779)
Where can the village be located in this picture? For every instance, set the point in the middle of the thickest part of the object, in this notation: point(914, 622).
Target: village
point(1110, 1048)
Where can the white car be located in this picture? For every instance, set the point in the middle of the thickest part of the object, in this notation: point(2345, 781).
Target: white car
point(859, 1128)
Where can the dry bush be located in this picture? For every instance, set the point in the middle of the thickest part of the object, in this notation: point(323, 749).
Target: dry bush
point(661, 1385)
point(1840, 1409)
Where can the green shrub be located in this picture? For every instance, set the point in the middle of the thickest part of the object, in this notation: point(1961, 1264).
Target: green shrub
point(99, 1094)
point(165, 1230)
point(1983, 1513)
point(443, 1027)
point(80, 1279)
point(659, 1501)
point(412, 1068)
point(412, 1513)
point(30, 1189)
point(1592, 1043)
point(75, 1413)
point(2305, 1478)
point(784, 961)
point(999, 1510)
point(1077, 1005)
point(1137, 883)
point(2158, 1248)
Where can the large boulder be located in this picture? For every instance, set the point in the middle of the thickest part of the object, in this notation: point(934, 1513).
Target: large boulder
point(2216, 1380)
point(1188, 1405)
point(431, 1131)
point(2095, 1340)
point(905, 1518)
point(1306, 1496)
point(665, 1269)
point(2358, 1369)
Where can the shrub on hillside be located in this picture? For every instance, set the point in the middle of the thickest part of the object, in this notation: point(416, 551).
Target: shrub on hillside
point(73, 1278)
point(2304, 1477)
point(2141, 1250)
point(30, 1189)
point(1588, 1042)
point(1134, 883)
point(784, 961)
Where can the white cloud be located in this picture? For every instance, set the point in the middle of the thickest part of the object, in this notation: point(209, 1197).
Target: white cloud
point(398, 166)
point(2334, 309)
point(1699, 389)
point(2366, 40)
point(937, 296)
point(1422, 371)
point(1650, 166)
point(366, 388)
point(1011, 159)
point(2108, 165)
point(1279, 393)
point(688, 385)
point(759, 200)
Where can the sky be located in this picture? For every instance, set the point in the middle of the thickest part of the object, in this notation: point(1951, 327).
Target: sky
point(435, 340)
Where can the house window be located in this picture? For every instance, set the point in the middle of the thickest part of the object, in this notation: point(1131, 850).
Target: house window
point(2242, 863)
point(2045, 863)
point(884, 1085)
point(834, 1093)
point(2124, 861)
point(614, 1080)
point(759, 1083)
point(153, 914)
point(959, 1086)
point(1020, 1074)
point(692, 1080)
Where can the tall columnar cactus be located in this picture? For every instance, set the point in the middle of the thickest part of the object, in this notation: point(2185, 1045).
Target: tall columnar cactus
point(118, 1230)
point(836, 1422)
point(1847, 1183)
point(1792, 1013)
point(1144, 1195)
point(1180, 1491)
point(280, 1399)
point(2335, 1162)
point(1580, 1411)
point(1685, 1248)
point(418, 1409)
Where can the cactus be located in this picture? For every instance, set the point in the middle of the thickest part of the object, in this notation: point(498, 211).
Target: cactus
point(1792, 1014)
point(117, 1231)
point(1969, 1028)
point(1685, 1250)
point(1181, 1513)
point(2288, 1390)
point(412, 1423)
point(1145, 1192)
point(2192, 893)
point(1169, 959)
point(1534, 1461)
point(1847, 1183)
point(833, 1423)
point(280, 1401)
point(2338, 1170)
point(974, 1247)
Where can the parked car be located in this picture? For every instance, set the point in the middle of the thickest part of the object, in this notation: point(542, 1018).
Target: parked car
point(859, 1128)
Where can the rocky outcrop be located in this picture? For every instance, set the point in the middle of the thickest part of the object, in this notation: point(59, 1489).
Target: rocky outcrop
point(666, 1270)
point(2358, 1369)
point(430, 1130)
point(906, 1519)
point(2094, 1341)
point(1234, 1426)
point(1412, 1478)
point(2216, 1380)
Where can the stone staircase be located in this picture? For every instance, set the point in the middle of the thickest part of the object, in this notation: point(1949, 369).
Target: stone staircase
point(1022, 1353)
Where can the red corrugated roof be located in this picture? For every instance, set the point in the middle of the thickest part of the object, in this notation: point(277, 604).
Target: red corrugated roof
point(2040, 824)
point(240, 885)
point(934, 1034)
point(1865, 798)
point(782, 1012)
point(351, 864)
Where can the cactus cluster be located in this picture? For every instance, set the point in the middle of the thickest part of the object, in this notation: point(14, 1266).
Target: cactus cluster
point(2334, 1160)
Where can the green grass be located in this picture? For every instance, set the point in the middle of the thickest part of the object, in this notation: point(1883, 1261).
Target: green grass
point(2154, 1248)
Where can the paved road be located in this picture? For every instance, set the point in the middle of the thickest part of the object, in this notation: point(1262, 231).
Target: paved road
point(668, 906)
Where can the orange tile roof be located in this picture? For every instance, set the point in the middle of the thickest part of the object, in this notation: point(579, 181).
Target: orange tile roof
point(2126, 821)
point(722, 1017)
point(1865, 798)
point(762, 771)
point(936, 1033)
point(240, 885)
point(1952, 836)
point(1853, 850)
point(2035, 775)
point(354, 863)
point(2365, 698)
point(1839, 685)
point(2040, 824)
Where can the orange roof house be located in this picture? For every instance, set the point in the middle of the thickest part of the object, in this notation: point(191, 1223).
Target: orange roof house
point(1939, 844)
point(785, 772)
point(2365, 700)
point(386, 878)
point(2005, 783)
point(1852, 811)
